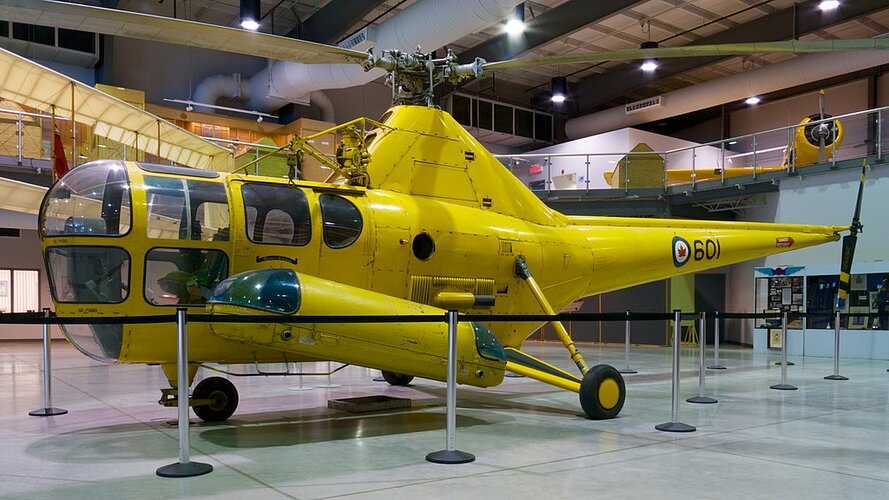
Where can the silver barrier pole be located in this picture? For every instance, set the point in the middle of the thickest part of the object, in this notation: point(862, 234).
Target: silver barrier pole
point(716, 365)
point(451, 455)
point(674, 425)
point(627, 346)
point(47, 410)
point(836, 351)
point(783, 386)
point(702, 356)
point(184, 467)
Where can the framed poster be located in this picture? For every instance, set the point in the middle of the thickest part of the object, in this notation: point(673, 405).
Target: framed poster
point(4, 288)
point(776, 338)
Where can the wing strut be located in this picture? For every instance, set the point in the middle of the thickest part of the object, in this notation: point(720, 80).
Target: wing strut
point(849, 242)
point(522, 271)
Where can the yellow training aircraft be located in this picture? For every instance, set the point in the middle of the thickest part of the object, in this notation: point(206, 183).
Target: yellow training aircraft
point(419, 218)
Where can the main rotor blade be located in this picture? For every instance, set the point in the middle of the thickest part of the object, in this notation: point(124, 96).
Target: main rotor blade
point(849, 242)
point(725, 49)
point(165, 29)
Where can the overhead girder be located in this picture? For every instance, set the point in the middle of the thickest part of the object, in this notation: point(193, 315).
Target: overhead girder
point(552, 24)
point(332, 22)
point(600, 89)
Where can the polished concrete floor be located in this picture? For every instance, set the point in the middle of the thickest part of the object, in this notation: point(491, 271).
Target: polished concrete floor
point(827, 440)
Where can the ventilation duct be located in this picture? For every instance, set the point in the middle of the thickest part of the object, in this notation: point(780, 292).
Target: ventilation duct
point(428, 23)
point(798, 71)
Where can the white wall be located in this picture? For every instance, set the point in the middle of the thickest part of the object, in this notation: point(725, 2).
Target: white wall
point(25, 253)
point(825, 200)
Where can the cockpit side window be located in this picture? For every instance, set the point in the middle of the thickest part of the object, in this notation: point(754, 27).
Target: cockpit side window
point(183, 276)
point(92, 200)
point(341, 219)
point(276, 214)
point(183, 209)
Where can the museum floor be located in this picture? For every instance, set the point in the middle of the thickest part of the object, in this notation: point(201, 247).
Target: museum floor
point(826, 440)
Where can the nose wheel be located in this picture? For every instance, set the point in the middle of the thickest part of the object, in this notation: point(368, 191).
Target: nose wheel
point(215, 399)
point(602, 392)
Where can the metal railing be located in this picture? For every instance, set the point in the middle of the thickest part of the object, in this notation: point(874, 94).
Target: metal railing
point(736, 160)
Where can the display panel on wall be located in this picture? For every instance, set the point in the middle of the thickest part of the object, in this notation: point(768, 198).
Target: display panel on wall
point(869, 293)
point(19, 290)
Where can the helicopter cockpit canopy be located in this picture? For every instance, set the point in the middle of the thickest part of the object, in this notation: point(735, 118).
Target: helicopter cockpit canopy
point(271, 290)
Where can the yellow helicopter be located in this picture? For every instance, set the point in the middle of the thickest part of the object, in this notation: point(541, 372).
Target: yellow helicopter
point(417, 218)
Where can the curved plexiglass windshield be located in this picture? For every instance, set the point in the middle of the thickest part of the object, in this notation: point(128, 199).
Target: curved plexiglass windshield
point(273, 290)
point(91, 200)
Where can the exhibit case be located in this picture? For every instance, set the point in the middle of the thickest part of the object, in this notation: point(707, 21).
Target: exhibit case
point(813, 290)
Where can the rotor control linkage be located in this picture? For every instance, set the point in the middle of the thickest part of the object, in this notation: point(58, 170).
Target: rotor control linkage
point(522, 271)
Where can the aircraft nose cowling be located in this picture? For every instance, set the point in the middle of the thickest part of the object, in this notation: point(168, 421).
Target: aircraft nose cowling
point(273, 290)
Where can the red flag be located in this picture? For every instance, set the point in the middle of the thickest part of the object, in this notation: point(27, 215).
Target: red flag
point(59, 162)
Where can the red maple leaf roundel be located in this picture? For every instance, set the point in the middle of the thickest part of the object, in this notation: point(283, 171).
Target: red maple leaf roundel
point(681, 250)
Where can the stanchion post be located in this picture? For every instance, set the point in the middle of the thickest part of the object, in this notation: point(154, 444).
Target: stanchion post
point(47, 410)
point(674, 425)
point(451, 455)
point(783, 386)
point(184, 467)
point(329, 384)
point(716, 365)
point(627, 370)
point(836, 350)
point(702, 356)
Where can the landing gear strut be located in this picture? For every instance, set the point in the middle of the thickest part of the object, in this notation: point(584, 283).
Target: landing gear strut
point(602, 390)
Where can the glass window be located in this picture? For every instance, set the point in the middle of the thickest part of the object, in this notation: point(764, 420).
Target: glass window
point(184, 209)
point(88, 274)
point(341, 219)
point(183, 276)
point(277, 214)
point(91, 200)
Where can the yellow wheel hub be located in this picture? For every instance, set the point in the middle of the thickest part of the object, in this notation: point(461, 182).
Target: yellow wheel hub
point(609, 393)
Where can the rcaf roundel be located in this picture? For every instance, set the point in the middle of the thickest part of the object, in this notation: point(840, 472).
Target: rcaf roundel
point(681, 251)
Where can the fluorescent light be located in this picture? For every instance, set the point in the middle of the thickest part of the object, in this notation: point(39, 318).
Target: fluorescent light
point(753, 100)
point(649, 65)
point(828, 4)
point(250, 24)
point(732, 143)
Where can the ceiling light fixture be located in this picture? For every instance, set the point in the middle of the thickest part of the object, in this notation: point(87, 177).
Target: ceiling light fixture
point(649, 64)
point(249, 14)
point(826, 5)
point(516, 23)
point(558, 89)
point(753, 100)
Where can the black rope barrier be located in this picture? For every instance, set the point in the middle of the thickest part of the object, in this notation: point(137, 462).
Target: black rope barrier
point(54, 319)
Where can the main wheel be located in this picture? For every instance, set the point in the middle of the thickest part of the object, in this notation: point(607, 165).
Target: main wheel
point(602, 392)
point(223, 398)
point(397, 378)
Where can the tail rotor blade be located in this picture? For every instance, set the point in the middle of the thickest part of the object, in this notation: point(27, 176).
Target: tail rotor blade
point(849, 242)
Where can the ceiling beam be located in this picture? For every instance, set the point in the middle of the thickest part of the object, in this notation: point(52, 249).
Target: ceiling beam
point(546, 27)
point(601, 89)
point(333, 21)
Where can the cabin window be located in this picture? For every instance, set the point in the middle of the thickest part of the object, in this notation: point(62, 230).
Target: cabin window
point(92, 200)
point(183, 209)
point(183, 276)
point(341, 219)
point(276, 214)
point(98, 275)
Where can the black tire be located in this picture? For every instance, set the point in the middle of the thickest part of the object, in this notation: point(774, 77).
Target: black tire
point(602, 392)
point(223, 396)
point(397, 378)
